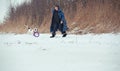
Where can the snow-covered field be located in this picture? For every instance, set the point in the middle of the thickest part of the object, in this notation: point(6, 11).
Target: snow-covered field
point(74, 53)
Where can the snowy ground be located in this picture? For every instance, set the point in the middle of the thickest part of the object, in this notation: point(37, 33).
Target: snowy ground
point(73, 53)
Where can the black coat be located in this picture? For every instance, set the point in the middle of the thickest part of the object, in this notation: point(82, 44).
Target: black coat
point(56, 19)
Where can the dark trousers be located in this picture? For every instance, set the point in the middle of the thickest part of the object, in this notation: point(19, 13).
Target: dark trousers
point(58, 26)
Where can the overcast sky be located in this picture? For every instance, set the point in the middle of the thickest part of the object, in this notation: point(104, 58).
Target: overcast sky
point(4, 5)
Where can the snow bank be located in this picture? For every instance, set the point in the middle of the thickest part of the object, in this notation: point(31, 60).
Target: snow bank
point(73, 53)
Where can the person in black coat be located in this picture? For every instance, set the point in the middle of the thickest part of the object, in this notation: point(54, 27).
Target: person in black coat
point(58, 22)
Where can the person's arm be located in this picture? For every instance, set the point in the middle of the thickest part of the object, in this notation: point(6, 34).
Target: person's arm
point(62, 17)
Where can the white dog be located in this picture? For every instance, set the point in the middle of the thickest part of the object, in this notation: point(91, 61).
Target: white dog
point(30, 31)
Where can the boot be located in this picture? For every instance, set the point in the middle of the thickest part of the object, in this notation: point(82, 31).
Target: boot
point(53, 35)
point(64, 34)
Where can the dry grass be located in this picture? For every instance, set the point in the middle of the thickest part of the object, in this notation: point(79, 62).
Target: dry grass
point(97, 18)
point(94, 18)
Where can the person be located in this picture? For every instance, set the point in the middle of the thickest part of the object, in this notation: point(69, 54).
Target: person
point(58, 22)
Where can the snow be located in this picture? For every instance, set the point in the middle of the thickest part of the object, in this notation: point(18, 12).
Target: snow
point(23, 52)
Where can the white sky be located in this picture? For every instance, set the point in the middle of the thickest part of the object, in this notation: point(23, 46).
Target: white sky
point(4, 5)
